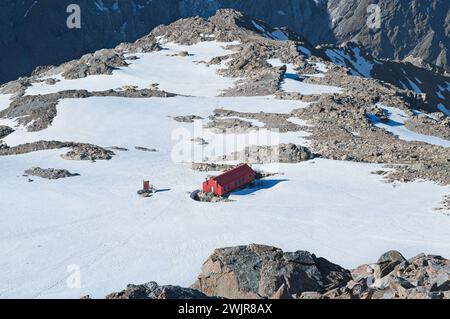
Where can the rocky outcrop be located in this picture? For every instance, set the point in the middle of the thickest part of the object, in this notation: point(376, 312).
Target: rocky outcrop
point(266, 272)
point(187, 118)
point(230, 125)
point(209, 197)
point(261, 272)
point(211, 167)
point(222, 121)
point(152, 290)
point(49, 173)
point(283, 153)
point(79, 151)
point(5, 131)
point(434, 125)
point(88, 152)
point(100, 62)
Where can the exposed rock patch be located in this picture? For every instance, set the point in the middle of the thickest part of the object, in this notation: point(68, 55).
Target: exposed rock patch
point(209, 198)
point(49, 173)
point(438, 126)
point(5, 131)
point(211, 167)
point(200, 141)
point(341, 130)
point(101, 62)
point(88, 152)
point(118, 148)
point(79, 151)
point(145, 44)
point(145, 149)
point(187, 118)
point(438, 172)
point(283, 153)
point(276, 121)
point(17, 87)
point(230, 125)
point(445, 205)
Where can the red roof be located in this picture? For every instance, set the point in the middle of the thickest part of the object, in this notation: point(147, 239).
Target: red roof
point(234, 174)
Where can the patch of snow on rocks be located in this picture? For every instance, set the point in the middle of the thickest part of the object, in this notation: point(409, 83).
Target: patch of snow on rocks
point(396, 125)
point(305, 51)
point(360, 66)
point(292, 82)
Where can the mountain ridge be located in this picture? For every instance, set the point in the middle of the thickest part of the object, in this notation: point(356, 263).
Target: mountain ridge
point(30, 40)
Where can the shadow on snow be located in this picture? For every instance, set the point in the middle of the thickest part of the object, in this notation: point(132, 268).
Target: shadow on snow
point(259, 185)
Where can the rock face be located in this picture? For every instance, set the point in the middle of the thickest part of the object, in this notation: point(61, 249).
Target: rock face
point(151, 290)
point(104, 24)
point(401, 33)
point(187, 118)
point(258, 271)
point(266, 272)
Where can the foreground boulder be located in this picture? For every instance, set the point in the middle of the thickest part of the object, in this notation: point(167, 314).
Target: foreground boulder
point(257, 271)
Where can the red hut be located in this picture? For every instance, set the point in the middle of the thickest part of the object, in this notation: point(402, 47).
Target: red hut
point(229, 180)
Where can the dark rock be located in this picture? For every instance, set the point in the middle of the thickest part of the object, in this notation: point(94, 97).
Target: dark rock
point(388, 261)
point(5, 131)
point(187, 118)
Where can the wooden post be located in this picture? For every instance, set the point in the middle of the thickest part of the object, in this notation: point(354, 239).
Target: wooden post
point(146, 186)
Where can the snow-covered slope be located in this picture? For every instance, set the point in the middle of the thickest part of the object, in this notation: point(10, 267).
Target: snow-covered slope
point(172, 73)
point(97, 222)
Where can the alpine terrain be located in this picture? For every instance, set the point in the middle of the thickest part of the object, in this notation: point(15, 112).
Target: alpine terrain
point(34, 32)
point(351, 154)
